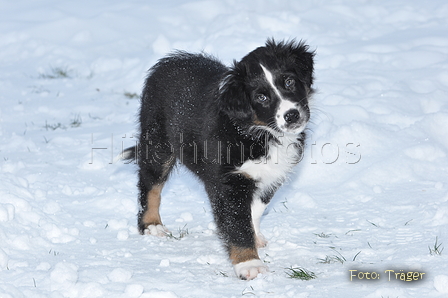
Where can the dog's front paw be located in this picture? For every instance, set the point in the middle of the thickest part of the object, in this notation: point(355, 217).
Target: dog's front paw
point(250, 269)
point(156, 230)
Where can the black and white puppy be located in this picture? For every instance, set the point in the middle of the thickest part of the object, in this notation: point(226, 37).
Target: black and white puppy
point(240, 129)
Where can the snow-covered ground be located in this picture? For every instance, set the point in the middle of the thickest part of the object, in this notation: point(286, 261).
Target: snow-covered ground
point(371, 193)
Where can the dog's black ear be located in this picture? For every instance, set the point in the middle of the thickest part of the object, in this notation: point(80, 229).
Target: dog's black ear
point(304, 60)
point(296, 53)
point(232, 95)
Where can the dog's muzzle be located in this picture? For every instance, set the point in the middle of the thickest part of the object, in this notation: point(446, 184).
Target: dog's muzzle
point(295, 121)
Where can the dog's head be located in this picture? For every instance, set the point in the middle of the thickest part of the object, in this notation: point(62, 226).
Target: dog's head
point(270, 87)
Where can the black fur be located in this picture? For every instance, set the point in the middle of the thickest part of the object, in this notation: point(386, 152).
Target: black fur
point(211, 119)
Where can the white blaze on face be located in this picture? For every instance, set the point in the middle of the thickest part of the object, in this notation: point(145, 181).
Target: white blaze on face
point(270, 78)
point(284, 106)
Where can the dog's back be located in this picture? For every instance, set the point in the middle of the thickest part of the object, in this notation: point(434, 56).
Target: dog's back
point(176, 88)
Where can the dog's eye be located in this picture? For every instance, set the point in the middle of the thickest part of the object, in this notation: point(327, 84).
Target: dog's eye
point(289, 83)
point(261, 97)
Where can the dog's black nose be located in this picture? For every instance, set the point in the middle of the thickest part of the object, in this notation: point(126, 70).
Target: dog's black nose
point(292, 116)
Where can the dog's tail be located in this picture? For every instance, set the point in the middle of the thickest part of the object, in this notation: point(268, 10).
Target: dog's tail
point(128, 155)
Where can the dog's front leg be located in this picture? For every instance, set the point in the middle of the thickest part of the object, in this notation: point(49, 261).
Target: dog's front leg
point(232, 204)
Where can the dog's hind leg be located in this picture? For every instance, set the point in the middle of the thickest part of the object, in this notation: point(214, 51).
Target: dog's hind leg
point(149, 221)
point(152, 176)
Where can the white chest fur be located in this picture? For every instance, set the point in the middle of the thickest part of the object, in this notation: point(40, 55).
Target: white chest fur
point(272, 169)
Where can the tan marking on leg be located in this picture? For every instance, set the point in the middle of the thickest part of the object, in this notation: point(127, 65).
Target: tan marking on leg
point(238, 254)
point(152, 215)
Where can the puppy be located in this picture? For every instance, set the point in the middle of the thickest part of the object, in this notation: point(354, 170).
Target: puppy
point(240, 129)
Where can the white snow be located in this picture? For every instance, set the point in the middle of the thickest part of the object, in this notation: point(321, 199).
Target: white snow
point(370, 193)
point(120, 275)
point(164, 263)
point(64, 273)
point(441, 283)
point(134, 290)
